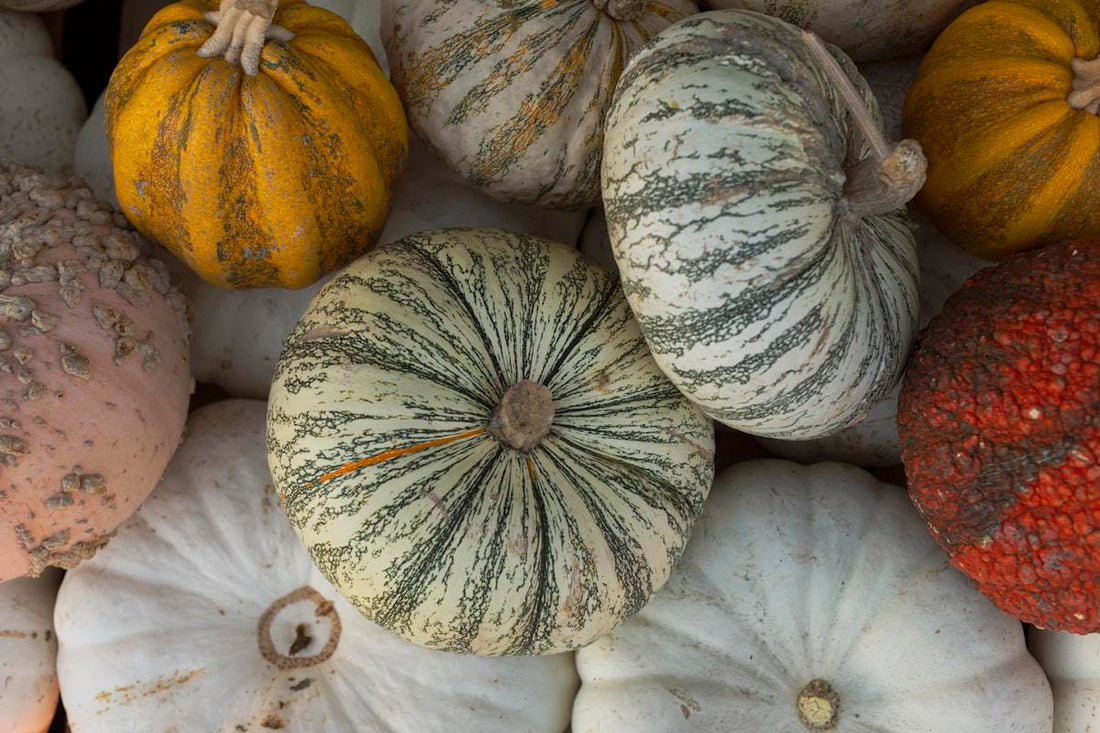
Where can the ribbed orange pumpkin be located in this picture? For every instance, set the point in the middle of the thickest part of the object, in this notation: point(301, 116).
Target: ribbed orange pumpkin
point(269, 180)
point(1005, 108)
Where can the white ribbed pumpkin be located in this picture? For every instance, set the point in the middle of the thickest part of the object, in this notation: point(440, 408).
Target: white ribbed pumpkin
point(205, 614)
point(513, 95)
point(812, 599)
point(28, 651)
point(477, 448)
point(772, 283)
point(1072, 664)
point(92, 157)
point(42, 108)
point(873, 442)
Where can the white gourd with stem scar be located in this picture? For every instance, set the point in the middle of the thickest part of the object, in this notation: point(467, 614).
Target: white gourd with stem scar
point(242, 28)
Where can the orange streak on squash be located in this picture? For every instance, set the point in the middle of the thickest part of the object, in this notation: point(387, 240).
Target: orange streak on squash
point(531, 468)
point(396, 453)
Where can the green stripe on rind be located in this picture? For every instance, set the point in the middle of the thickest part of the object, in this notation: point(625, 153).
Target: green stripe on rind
point(454, 547)
point(723, 177)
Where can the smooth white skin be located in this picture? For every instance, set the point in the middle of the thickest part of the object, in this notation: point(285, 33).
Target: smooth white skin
point(1072, 664)
point(28, 651)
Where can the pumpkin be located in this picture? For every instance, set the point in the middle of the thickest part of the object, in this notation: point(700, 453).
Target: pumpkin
point(513, 95)
point(28, 650)
point(866, 31)
point(1004, 108)
point(1000, 433)
point(94, 378)
point(1071, 663)
point(92, 157)
point(365, 18)
point(776, 283)
point(43, 106)
point(206, 614)
point(474, 444)
point(251, 184)
point(811, 598)
point(239, 354)
point(873, 442)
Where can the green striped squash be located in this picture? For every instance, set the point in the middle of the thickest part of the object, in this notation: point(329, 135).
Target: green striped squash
point(765, 292)
point(412, 442)
point(513, 94)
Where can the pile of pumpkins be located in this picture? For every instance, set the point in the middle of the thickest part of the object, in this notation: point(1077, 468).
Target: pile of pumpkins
point(488, 286)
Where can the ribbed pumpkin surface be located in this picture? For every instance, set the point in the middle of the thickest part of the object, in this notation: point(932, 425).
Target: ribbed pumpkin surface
point(1011, 164)
point(513, 95)
point(724, 174)
point(271, 180)
point(378, 445)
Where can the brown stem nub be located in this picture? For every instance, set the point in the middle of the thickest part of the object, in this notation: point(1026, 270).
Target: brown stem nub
point(892, 175)
point(818, 705)
point(625, 10)
point(302, 639)
point(1086, 86)
point(523, 417)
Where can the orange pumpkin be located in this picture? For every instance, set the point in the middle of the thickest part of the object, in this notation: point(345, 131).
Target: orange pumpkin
point(1004, 107)
point(256, 181)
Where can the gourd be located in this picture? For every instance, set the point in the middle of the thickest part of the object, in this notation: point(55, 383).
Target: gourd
point(776, 284)
point(365, 18)
point(92, 156)
point(43, 106)
point(474, 444)
point(513, 95)
point(1000, 433)
point(250, 183)
point(873, 442)
point(28, 650)
point(811, 598)
point(1071, 662)
point(94, 378)
point(205, 614)
point(866, 31)
point(1005, 107)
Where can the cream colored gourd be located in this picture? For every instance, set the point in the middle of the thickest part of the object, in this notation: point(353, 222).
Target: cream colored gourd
point(206, 615)
point(42, 107)
point(1072, 664)
point(867, 30)
point(28, 651)
point(812, 599)
point(92, 157)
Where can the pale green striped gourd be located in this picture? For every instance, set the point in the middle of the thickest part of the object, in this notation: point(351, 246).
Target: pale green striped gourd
point(513, 94)
point(386, 445)
point(766, 293)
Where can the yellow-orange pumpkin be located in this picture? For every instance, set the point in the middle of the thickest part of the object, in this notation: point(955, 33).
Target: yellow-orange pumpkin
point(256, 181)
point(1004, 107)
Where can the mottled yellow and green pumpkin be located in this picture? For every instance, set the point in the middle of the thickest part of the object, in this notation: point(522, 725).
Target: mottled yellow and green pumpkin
point(256, 181)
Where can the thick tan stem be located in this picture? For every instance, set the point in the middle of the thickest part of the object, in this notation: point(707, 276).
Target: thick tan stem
point(818, 705)
point(523, 417)
point(1086, 86)
point(893, 175)
point(241, 29)
point(625, 10)
point(323, 608)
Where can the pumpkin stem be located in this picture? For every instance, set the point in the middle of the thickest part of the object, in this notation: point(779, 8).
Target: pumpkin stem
point(523, 417)
point(892, 175)
point(323, 608)
point(818, 705)
point(241, 28)
point(1086, 86)
point(625, 10)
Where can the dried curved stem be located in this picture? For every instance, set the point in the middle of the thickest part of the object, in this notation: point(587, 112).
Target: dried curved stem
point(1086, 86)
point(242, 28)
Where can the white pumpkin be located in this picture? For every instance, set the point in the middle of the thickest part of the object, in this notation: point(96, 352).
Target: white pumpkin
point(812, 598)
point(873, 442)
point(205, 614)
point(1072, 664)
point(43, 107)
point(28, 651)
point(92, 158)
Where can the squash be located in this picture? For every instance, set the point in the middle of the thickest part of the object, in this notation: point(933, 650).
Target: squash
point(776, 282)
point(811, 598)
point(873, 442)
point(251, 184)
point(28, 651)
point(1004, 107)
point(94, 378)
point(474, 444)
point(365, 18)
point(866, 31)
point(1072, 664)
point(513, 95)
point(43, 106)
point(92, 157)
point(205, 614)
